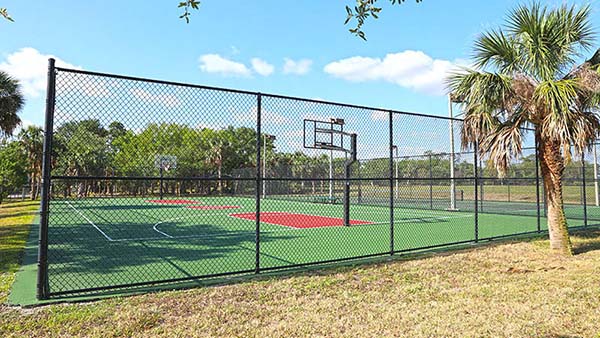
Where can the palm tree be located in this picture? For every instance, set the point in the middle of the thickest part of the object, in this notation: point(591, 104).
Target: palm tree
point(32, 139)
point(215, 155)
point(11, 102)
point(526, 75)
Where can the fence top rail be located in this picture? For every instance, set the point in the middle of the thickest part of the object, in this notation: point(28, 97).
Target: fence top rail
point(247, 92)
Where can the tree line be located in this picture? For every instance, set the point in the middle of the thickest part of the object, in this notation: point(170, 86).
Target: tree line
point(209, 161)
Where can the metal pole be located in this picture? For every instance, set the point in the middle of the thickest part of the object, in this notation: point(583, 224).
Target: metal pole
point(331, 175)
point(347, 171)
point(537, 185)
point(585, 218)
point(476, 186)
point(259, 179)
point(391, 173)
point(397, 179)
point(596, 196)
point(42, 275)
point(160, 190)
point(264, 188)
point(452, 183)
point(430, 183)
point(481, 182)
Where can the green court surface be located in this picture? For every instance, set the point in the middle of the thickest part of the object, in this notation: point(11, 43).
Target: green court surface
point(107, 242)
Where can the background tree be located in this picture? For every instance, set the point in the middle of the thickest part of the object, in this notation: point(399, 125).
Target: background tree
point(525, 77)
point(13, 168)
point(11, 102)
point(32, 141)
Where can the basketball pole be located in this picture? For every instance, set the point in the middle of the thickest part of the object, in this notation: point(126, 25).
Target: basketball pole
point(348, 167)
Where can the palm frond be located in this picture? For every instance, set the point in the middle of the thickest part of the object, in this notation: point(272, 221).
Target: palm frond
point(503, 144)
point(483, 95)
point(550, 40)
point(11, 102)
point(562, 117)
point(498, 50)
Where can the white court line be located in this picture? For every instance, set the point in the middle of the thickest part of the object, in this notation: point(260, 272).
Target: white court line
point(422, 219)
point(155, 227)
point(92, 223)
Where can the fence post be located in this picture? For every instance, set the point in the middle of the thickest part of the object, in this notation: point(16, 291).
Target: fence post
point(481, 182)
point(537, 186)
point(392, 177)
point(583, 183)
point(259, 179)
point(42, 275)
point(476, 187)
point(430, 183)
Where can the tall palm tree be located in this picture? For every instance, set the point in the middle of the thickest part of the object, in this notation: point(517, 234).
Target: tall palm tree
point(11, 102)
point(32, 139)
point(526, 75)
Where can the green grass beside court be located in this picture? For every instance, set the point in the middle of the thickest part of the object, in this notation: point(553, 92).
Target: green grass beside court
point(15, 220)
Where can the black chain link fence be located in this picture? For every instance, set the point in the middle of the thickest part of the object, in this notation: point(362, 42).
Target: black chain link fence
point(149, 182)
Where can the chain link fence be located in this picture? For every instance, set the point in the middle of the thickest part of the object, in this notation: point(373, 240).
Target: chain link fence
point(149, 182)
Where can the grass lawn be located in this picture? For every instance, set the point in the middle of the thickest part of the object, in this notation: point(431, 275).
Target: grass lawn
point(15, 219)
point(507, 289)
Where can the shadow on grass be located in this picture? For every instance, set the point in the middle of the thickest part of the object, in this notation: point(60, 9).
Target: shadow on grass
point(591, 241)
point(18, 214)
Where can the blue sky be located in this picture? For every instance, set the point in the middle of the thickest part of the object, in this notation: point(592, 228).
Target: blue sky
point(295, 48)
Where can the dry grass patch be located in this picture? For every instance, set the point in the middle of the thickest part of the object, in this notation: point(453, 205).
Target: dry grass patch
point(511, 289)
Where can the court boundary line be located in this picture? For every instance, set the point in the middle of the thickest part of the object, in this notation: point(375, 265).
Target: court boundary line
point(92, 223)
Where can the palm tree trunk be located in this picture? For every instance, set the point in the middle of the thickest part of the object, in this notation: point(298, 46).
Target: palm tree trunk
point(552, 165)
point(32, 187)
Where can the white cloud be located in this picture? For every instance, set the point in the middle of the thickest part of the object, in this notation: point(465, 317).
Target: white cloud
point(30, 67)
point(299, 67)
point(24, 125)
point(168, 100)
point(410, 69)
point(215, 63)
point(262, 67)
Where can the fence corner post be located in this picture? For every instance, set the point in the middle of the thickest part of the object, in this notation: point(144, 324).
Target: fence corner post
point(42, 273)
